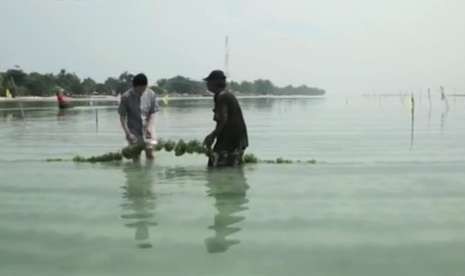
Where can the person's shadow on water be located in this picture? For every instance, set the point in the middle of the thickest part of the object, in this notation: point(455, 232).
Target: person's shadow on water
point(139, 201)
point(229, 189)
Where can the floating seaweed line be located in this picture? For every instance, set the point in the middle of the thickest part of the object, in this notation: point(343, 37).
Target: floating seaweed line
point(179, 148)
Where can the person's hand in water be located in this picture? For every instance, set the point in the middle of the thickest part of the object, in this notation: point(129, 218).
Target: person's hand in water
point(208, 142)
point(148, 134)
point(131, 138)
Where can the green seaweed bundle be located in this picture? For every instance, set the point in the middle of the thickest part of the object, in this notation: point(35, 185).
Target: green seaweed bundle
point(170, 145)
point(109, 157)
point(194, 146)
point(180, 148)
point(250, 159)
point(281, 160)
point(132, 151)
point(54, 160)
point(160, 145)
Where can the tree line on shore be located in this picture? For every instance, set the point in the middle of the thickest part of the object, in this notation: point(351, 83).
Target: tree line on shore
point(20, 83)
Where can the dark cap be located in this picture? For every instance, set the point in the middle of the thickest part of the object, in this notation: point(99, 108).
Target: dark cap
point(215, 75)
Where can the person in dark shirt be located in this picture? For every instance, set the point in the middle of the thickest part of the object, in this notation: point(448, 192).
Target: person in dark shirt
point(230, 133)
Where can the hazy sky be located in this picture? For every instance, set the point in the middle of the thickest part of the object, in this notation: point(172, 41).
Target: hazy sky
point(343, 46)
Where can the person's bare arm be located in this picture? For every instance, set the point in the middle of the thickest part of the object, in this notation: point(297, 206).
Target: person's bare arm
point(131, 137)
point(222, 118)
point(122, 110)
point(150, 125)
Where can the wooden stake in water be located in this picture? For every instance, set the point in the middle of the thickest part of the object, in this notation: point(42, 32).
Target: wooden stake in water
point(412, 128)
point(91, 103)
point(445, 110)
point(430, 107)
point(429, 98)
point(444, 98)
point(96, 120)
point(22, 111)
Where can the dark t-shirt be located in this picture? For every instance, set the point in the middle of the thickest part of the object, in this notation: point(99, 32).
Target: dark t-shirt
point(234, 134)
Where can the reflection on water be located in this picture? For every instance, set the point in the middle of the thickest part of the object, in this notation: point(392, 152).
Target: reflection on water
point(444, 120)
point(262, 104)
point(8, 116)
point(229, 189)
point(140, 200)
point(62, 113)
point(444, 114)
point(446, 109)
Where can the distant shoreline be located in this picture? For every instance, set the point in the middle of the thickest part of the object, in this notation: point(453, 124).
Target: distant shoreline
point(53, 99)
point(116, 99)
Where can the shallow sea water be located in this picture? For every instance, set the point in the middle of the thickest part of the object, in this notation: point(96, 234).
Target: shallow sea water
point(383, 199)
